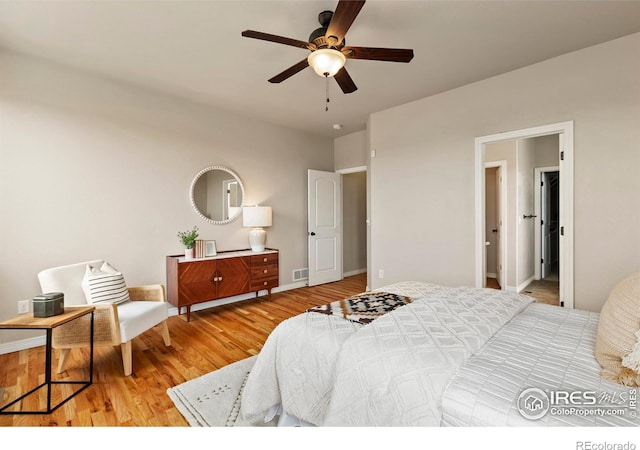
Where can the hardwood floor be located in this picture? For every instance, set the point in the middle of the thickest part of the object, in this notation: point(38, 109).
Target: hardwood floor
point(214, 338)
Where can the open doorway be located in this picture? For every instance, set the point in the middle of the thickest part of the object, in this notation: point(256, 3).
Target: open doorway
point(547, 237)
point(495, 223)
point(526, 234)
point(354, 222)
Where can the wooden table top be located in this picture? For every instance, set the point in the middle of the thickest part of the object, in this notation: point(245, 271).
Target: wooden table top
point(27, 321)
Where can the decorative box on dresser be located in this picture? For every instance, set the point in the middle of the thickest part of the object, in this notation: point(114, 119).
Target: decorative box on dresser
point(193, 281)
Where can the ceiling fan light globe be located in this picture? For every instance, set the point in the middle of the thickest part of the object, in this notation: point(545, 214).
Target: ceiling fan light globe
point(326, 62)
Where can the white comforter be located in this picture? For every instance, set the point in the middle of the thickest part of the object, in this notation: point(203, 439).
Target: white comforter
point(329, 371)
point(547, 348)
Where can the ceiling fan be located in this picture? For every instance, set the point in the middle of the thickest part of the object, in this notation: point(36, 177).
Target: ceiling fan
point(328, 49)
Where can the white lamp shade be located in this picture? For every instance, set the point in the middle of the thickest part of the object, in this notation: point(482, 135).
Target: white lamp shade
point(256, 216)
point(326, 61)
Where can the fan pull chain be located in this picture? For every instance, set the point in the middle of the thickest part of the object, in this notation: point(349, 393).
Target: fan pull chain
point(326, 77)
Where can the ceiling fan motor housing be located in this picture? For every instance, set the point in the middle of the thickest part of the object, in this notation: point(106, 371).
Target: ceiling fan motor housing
point(318, 36)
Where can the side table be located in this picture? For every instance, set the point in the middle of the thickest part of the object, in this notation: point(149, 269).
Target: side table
point(28, 322)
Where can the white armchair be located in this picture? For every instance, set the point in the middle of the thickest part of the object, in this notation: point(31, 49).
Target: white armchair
point(113, 324)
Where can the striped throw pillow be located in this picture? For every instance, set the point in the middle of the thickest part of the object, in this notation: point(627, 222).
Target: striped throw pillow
point(104, 285)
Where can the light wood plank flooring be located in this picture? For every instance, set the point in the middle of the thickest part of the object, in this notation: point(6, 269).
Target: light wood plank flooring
point(544, 291)
point(214, 338)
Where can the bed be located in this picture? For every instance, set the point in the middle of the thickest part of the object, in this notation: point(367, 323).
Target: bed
point(421, 354)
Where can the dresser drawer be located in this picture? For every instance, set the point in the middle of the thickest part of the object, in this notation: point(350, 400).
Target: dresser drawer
point(264, 260)
point(264, 283)
point(264, 272)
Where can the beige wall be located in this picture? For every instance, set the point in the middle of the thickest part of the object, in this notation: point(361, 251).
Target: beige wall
point(350, 151)
point(526, 227)
point(547, 150)
point(507, 151)
point(90, 168)
point(424, 168)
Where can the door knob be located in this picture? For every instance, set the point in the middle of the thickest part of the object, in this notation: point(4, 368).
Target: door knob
point(312, 233)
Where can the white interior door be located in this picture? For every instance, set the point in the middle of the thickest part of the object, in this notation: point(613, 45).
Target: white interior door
point(325, 227)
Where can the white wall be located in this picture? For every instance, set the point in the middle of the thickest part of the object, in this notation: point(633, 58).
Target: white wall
point(424, 168)
point(526, 227)
point(90, 168)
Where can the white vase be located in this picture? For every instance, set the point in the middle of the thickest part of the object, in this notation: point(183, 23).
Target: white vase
point(189, 253)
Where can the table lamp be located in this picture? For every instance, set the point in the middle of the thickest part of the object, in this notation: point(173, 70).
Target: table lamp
point(257, 217)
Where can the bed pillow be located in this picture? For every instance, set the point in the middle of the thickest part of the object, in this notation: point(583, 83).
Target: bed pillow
point(104, 285)
point(617, 327)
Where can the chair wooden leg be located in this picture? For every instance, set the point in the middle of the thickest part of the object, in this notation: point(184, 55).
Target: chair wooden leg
point(126, 357)
point(64, 354)
point(164, 329)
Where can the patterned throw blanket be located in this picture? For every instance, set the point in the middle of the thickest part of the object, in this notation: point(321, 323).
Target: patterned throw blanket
point(363, 308)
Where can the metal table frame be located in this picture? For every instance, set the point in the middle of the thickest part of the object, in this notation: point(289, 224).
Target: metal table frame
point(15, 325)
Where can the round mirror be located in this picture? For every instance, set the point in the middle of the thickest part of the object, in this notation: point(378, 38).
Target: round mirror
point(217, 194)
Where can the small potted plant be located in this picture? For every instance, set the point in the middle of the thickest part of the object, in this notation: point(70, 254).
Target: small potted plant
point(188, 239)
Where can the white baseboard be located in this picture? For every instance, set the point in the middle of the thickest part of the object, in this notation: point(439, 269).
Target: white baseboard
point(354, 272)
point(526, 283)
point(173, 311)
point(492, 275)
point(23, 344)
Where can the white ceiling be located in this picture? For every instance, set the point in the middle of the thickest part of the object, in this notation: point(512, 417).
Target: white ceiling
point(194, 49)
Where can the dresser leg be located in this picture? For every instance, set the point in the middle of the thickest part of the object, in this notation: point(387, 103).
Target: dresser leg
point(188, 313)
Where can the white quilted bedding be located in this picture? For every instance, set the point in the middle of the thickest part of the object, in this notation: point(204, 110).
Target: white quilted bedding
point(544, 347)
point(329, 371)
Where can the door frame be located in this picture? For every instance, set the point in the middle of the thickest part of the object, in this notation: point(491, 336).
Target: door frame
point(537, 179)
point(502, 164)
point(565, 130)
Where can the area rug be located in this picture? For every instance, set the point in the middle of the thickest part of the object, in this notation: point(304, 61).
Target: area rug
point(213, 400)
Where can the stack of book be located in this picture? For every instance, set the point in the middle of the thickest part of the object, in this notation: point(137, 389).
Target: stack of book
point(200, 248)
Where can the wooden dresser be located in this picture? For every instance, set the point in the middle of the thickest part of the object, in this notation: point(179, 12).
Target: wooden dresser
point(192, 281)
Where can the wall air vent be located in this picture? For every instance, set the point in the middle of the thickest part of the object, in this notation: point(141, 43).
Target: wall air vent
point(300, 274)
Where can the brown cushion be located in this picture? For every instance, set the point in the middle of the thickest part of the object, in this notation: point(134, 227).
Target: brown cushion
point(619, 321)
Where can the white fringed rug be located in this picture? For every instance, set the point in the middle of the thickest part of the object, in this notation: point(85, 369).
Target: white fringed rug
point(213, 400)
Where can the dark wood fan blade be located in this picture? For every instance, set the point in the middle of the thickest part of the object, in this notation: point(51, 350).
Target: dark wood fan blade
point(343, 17)
point(278, 39)
point(379, 54)
point(290, 71)
point(344, 81)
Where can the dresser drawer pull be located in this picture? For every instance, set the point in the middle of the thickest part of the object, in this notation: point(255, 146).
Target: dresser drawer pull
point(265, 260)
point(265, 283)
point(265, 270)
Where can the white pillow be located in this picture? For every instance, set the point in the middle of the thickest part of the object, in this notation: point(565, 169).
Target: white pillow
point(104, 285)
